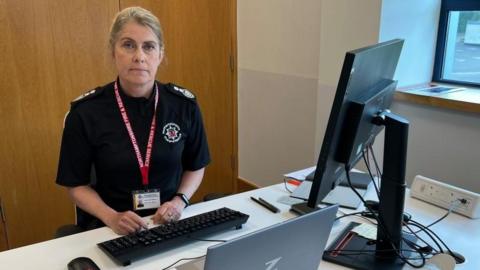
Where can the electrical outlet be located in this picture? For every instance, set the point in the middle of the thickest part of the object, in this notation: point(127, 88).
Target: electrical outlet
point(464, 202)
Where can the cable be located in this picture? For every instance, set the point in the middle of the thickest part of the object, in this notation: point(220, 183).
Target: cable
point(193, 258)
point(449, 211)
point(377, 168)
point(347, 215)
point(379, 172)
point(182, 259)
point(347, 170)
point(358, 214)
point(418, 237)
point(405, 260)
point(422, 228)
point(367, 163)
point(427, 250)
point(436, 236)
point(207, 240)
point(366, 155)
point(430, 232)
point(427, 232)
point(381, 223)
point(433, 236)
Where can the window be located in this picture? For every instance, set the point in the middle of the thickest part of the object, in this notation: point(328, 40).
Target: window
point(457, 57)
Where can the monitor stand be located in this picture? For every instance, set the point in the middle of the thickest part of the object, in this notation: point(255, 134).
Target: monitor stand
point(354, 251)
point(359, 180)
point(382, 253)
point(303, 208)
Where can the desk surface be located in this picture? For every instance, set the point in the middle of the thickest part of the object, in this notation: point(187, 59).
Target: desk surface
point(460, 233)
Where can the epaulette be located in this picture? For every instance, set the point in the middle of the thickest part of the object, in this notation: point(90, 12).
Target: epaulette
point(86, 96)
point(180, 91)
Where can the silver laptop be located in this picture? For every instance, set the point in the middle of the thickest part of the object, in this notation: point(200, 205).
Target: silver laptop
point(297, 243)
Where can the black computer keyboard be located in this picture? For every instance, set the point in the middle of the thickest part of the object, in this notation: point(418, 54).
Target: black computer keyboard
point(126, 249)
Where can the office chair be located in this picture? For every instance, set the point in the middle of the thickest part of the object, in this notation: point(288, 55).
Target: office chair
point(69, 229)
point(214, 196)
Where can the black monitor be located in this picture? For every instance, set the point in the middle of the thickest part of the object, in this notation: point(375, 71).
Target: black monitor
point(365, 71)
point(359, 112)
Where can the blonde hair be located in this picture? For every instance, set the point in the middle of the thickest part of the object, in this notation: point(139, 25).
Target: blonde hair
point(140, 16)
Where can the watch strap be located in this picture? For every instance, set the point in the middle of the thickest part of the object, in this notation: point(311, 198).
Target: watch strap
point(184, 198)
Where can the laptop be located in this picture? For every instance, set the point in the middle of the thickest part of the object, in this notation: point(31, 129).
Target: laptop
point(297, 243)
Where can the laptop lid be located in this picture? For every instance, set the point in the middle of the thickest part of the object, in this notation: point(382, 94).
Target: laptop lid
point(297, 243)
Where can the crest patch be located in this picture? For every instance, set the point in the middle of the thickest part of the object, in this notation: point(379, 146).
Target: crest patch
point(171, 133)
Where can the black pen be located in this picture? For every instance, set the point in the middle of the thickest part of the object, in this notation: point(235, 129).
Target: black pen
point(266, 204)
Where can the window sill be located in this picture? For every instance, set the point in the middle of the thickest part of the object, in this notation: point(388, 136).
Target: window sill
point(465, 100)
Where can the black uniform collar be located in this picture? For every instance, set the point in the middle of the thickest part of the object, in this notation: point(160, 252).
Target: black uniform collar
point(136, 100)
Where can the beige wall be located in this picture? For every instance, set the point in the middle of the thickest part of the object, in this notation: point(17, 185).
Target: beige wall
point(345, 25)
point(290, 57)
point(279, 36)
point(290, 53)
point(278, 48)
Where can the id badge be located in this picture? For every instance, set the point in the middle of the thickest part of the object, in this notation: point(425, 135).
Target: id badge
point(146, 199)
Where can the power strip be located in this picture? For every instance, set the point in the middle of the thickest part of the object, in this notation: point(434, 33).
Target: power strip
point(446, 196)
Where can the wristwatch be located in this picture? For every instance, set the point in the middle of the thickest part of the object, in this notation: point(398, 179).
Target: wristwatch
point(184, 199)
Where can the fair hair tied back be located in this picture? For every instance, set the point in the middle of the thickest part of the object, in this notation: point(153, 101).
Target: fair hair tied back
point(140, 16)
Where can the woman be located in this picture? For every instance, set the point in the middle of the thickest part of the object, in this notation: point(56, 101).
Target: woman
point(145, 139)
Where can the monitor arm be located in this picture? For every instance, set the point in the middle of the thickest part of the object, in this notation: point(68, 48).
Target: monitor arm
point(392, 190)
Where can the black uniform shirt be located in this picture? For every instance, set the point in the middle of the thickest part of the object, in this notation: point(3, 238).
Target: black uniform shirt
point(95, 133)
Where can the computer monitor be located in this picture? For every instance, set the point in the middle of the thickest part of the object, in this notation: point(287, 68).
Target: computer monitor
point(359, 112)
point(385, 251)
point(365, 71)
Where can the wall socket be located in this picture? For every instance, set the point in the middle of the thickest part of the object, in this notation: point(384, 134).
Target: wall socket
point(465, 202)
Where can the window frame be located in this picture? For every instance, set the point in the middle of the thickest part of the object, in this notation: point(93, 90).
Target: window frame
point(446, 7)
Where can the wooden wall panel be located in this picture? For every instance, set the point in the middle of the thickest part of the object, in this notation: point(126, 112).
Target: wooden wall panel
point(52, 51)
point(3, 230)
point(200, 46)
point(3, 238)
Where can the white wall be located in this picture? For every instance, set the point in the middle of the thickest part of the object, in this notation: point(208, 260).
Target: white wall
point(443, 144)
point(290, 57)
point(418, 26)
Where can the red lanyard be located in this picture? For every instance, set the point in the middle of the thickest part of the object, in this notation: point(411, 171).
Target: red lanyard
point(143, 166)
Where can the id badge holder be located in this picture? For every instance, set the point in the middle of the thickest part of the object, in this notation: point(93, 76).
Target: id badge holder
point(146, 199)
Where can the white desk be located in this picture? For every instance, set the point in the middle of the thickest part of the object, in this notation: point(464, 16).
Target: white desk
point(460, 233)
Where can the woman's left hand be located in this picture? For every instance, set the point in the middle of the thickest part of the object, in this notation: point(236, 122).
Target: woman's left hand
point(169, 211)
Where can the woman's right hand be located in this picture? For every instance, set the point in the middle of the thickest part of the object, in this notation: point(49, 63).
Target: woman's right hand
point(125, 222)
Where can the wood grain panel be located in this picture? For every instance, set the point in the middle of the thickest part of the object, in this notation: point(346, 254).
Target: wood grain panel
point(200, 38)
point(53, 50)
point(3, 230)
point(3, 238)
point(245, 185)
